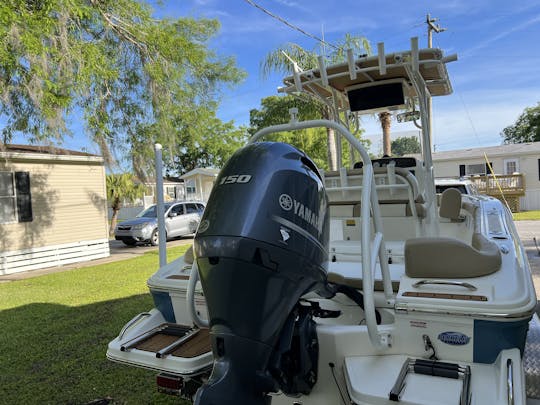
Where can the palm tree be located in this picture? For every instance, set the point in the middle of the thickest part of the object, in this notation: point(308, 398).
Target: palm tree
point(120, 188)
point(385, 118)
point(280, 59)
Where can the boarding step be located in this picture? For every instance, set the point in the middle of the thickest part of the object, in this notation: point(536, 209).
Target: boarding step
point(399, 379)
point(435, 369)
point(171, 339)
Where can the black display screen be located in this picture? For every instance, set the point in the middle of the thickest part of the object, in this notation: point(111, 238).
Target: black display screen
point(379, 96)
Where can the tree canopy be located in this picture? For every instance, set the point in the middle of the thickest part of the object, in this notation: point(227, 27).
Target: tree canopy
point(134, 79)
point(275, 110)
point(121, 187)
point(525, 129)
point(405, 145)
point(204, 141)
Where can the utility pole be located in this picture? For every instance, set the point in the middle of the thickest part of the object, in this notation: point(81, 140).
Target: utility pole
point(437, 28)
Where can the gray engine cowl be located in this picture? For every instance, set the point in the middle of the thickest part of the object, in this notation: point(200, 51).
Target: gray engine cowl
point(262, 243)
point(270, 192)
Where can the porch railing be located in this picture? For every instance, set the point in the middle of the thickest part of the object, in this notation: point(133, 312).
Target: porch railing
point(508, 184)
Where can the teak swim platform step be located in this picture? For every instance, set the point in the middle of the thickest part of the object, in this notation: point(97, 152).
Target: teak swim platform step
point(172, 339)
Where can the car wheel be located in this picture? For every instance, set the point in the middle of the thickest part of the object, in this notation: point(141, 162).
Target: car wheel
point(129, 242)
point(154, 238)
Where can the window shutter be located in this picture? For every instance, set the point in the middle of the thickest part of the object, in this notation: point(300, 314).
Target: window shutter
point(461, 170)
point(24, 198)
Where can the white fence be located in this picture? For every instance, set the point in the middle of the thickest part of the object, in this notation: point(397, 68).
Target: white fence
point(52, 256)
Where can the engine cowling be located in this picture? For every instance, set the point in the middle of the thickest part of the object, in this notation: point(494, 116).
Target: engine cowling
point(262, 243)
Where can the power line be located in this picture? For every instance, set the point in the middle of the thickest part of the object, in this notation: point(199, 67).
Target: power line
point(288, 24)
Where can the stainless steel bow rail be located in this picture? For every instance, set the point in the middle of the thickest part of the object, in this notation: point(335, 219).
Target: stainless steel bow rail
point(434, 368)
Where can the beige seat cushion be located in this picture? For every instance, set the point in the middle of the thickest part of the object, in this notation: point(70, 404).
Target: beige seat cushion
point(451, 258)
point(450, 204)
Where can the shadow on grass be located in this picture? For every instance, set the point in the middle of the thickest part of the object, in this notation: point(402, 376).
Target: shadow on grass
point(55, 354)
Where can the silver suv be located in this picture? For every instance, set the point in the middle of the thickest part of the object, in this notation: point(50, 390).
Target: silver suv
point(181, 218)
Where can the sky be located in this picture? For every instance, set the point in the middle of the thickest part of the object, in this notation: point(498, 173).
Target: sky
point(496, 77)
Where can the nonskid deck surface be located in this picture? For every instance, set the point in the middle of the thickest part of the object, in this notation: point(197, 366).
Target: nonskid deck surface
point(175, 340)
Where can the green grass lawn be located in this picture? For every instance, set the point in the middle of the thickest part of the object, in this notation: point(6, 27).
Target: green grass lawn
point(55, 330)
point(526, 215)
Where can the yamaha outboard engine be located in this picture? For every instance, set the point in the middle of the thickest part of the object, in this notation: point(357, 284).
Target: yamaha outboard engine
point(262, 244)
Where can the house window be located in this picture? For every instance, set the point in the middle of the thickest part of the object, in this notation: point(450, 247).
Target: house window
point(474, 169)
point(511, 166)
point(15, 197)
point(190, 187)
point(171, 192)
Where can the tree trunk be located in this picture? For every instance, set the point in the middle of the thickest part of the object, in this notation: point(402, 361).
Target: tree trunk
point(114, 219)
point(115, 206)
point(385, 119)
point(352, 156)
point(332, 149)
point(330, 140)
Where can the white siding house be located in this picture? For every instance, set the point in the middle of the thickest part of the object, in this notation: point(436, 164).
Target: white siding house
point(509, 159)
point(199, 183)
point(53, 207)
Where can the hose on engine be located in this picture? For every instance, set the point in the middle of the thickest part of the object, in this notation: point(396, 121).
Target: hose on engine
point(356, 296)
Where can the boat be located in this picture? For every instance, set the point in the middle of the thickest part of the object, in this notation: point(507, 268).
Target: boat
point(355, 286)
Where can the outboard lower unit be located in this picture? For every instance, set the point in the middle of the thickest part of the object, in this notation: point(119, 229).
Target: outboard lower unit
point(262, 244)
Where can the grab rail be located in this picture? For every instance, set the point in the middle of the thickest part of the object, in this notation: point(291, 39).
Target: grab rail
point(133, 321)
point(510, 381)
point(369, 205)
point(190, 297)
point(445, 282)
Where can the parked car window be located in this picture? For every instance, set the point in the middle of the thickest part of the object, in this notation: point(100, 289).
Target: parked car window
point(178, 209)
point(151, 212)
point(200, 207)
point(191, 209)
point(440, 188)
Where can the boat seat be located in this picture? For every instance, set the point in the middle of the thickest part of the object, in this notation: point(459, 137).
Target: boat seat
point(395, 184)
point(451, 258)
point(450, 207)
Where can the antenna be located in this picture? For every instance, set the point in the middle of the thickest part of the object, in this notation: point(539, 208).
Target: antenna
point(432, 27)
point(437, 28)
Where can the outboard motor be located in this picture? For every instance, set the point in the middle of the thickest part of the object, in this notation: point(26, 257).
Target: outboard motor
point(262, 244)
